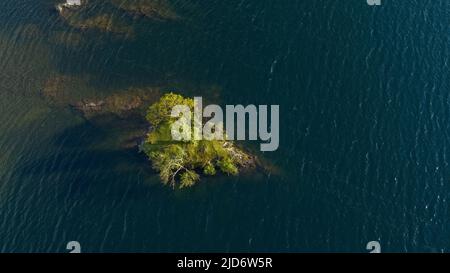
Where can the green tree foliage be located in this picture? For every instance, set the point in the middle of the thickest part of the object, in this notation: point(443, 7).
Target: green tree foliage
point(179, 162)
point(160, 111)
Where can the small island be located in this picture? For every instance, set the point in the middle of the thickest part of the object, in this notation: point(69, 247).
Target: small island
point(181, 163)
point(138, 120)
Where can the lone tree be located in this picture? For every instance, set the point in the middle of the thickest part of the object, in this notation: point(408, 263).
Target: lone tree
point(180, 163)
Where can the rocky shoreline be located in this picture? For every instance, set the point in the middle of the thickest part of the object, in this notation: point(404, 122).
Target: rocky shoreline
point(121, 105)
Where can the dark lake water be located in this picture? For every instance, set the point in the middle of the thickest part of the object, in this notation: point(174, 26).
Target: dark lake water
point(364, 142)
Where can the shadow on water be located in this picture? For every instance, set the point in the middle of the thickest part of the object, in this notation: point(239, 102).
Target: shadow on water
point(89, 157)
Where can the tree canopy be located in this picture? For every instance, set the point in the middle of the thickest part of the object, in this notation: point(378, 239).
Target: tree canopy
point(180, 163)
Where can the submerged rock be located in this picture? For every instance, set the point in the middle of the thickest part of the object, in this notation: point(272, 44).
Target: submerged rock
point(53, 88)
point(76, 93)
point(84, 15)
point(120, 113)
point(75, 14)
point(102, 22)
point(153, 9)
point(123, 104)
point(62, 89)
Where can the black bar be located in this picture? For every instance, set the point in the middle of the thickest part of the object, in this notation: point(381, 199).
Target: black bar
point(222, 262)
